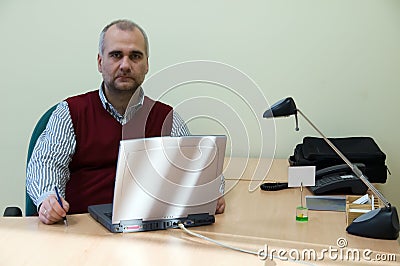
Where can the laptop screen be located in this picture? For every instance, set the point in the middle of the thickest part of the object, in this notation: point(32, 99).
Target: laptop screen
point(168, 177)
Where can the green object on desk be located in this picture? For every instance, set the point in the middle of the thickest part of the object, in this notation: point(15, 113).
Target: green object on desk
point(301, 214)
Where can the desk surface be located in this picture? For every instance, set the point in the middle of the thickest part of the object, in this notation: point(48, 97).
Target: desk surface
point(251, 220)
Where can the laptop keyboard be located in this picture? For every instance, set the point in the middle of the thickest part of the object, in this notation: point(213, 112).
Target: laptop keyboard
point(108, 214)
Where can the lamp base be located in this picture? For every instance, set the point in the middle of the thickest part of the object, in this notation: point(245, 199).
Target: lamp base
point(380, 223)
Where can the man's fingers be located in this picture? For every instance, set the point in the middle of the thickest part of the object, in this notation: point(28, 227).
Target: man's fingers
point(45, 212)
point(58, 211)
point(50, 210)
point(65, 205)
point(220, 206)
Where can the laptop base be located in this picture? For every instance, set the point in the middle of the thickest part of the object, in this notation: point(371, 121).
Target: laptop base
point(138, 225)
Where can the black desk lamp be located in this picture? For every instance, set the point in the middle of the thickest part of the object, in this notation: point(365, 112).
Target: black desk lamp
point(381, 223)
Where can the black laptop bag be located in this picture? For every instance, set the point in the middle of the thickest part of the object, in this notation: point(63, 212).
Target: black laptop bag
point(315, 151)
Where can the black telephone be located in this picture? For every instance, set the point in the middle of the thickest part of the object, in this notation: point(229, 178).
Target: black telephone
point(338, 179)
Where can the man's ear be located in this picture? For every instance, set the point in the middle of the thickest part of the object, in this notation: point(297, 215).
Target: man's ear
point(99, 62)
point(147, 65)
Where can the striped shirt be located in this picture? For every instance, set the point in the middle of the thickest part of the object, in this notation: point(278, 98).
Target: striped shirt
point(49, 164)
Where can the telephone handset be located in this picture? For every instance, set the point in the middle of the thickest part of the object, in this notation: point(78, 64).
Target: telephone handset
point(338, 179)
point(340, 169)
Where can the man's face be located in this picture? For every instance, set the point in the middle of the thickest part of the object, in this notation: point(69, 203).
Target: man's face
point(124, 62)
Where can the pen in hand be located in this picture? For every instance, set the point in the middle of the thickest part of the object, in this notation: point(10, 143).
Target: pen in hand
point(60, 202)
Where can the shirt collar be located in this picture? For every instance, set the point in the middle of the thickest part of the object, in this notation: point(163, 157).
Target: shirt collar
point(135, 104)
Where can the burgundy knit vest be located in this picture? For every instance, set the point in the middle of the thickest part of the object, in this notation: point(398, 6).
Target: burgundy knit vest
point(93, 166)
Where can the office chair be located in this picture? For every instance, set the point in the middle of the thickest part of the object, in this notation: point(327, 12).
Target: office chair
point(30, 207)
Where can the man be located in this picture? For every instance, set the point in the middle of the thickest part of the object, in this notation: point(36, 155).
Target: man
point(77, 152)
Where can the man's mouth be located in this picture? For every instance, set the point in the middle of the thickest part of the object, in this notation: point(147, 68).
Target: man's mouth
point(123, 78)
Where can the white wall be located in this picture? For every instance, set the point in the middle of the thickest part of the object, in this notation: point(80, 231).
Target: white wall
point(340, 60)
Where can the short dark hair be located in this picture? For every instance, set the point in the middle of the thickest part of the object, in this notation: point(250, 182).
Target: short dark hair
point(123, 24)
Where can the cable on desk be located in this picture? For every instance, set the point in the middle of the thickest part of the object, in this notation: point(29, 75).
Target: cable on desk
point(273, 186)
point(182, 226)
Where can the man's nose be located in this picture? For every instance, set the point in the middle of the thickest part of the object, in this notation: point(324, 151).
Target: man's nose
point(125, 65)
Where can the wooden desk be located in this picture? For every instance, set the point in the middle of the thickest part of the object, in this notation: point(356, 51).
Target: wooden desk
point(250, 221)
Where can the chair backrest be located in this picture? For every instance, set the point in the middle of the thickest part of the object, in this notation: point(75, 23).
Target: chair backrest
point(30, 207)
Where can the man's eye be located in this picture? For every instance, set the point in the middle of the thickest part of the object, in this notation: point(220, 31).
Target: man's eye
point(135, 56)
point(116, 55)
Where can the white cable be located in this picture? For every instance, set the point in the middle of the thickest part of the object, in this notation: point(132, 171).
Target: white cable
point(182, 226)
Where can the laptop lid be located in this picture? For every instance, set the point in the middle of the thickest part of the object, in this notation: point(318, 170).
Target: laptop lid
point(166, 178)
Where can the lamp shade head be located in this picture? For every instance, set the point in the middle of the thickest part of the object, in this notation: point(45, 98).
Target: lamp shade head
point(284, 107)
point(380, 223)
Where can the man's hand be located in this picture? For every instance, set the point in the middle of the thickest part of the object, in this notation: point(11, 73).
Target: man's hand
point(220, 205)
point(50, 210)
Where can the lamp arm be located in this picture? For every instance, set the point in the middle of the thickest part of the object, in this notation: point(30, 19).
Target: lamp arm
point(353, 167)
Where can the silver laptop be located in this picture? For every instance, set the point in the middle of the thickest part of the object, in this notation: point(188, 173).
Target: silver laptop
point(162, 181)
